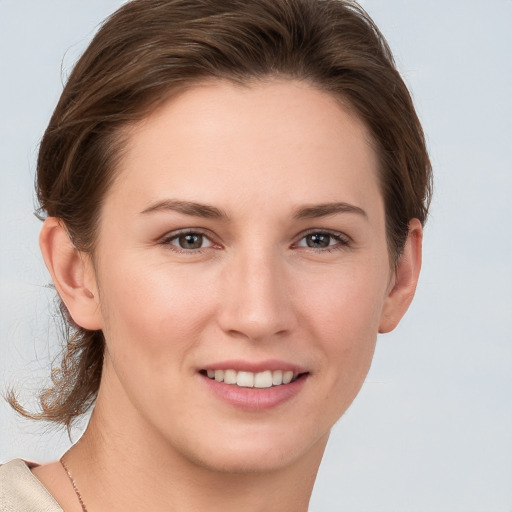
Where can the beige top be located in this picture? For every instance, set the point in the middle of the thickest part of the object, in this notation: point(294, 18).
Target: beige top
point(21, 491)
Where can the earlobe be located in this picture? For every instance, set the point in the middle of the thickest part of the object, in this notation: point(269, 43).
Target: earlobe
point(72, 273)
point(406, 276)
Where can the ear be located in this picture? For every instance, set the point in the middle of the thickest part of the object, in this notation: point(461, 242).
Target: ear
point(72, 273)
point(405, 278)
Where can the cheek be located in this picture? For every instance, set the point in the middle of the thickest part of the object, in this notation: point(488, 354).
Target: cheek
point(343, 316)
point(347, 302)
point(152, 310)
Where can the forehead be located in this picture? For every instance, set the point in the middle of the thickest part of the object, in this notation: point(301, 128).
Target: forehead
point(278, 140)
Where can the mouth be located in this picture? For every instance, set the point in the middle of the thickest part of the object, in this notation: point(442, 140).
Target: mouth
point(246, 379)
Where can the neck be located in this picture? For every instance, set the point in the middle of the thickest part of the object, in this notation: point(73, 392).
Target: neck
point(119, 464)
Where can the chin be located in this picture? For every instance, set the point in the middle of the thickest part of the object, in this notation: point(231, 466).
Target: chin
point(257, 452)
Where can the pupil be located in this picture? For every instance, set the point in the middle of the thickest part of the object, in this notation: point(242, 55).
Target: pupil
point(191, 241)
point(318, 240)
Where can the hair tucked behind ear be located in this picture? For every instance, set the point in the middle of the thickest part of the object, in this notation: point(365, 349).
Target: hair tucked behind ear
point(150, 48)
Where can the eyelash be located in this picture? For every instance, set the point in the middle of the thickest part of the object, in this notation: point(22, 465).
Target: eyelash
point(342, 241)
point(167, 241)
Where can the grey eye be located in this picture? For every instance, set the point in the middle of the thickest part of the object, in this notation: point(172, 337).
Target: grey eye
point(319, 240)
point(189, 241)
point(323, 240)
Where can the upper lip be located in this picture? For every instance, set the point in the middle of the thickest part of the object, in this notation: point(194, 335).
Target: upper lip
point(254, 366)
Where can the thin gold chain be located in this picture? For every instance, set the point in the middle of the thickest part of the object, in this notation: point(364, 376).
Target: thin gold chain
point(75, 488)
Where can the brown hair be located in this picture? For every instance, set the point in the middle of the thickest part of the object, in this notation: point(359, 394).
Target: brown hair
point(146, 50)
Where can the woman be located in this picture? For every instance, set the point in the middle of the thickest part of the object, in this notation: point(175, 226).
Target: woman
point(234, 195)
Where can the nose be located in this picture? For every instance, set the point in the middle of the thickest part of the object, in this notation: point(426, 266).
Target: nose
point(257, 299)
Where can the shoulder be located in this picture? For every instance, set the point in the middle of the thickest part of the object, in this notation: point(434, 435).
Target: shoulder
point(21, 491)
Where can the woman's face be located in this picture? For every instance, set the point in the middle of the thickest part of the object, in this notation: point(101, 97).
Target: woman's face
point(244, 239)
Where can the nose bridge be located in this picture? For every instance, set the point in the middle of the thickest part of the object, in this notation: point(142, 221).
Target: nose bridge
point(256, 301)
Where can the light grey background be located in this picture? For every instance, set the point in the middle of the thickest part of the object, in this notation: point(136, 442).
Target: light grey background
point(432, 427)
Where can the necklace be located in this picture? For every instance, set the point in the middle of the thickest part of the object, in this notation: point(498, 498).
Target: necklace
point(75, 488)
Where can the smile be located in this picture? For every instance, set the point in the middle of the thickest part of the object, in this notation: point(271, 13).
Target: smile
point(244, 379)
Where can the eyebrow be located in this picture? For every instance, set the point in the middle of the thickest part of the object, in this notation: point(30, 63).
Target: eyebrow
point(187, 208)
point(326, 209)
point(212, 212)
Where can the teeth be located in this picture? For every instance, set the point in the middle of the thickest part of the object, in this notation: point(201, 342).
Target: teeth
point(230, 377)
point(245, 379)
point(287, 377)
point(265, 379)
point(277, 377)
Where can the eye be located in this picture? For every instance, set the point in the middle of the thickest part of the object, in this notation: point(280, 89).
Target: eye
point(323, 240)
point(188, 241)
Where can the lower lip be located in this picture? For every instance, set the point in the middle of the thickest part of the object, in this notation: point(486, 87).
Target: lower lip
point(255, 399)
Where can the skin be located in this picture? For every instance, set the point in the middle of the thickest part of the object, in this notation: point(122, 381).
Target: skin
point(264, 155)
